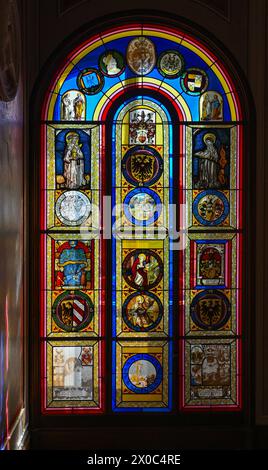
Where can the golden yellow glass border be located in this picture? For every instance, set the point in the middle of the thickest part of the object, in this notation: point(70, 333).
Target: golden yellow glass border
point(96, 375)
point(230, 222)
point(140, 81)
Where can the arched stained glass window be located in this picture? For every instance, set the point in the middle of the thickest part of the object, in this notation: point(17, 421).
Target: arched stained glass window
point(144, 116)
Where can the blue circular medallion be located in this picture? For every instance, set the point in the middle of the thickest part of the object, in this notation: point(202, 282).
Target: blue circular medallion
point(142, 206)
point(90, 81)
point(142, 373)
point(210, 207)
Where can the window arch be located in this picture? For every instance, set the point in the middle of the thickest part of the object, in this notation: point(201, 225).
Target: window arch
point(147, 114)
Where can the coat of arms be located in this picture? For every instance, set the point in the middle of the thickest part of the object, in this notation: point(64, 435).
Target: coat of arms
point(142, 127)
point(141, 56)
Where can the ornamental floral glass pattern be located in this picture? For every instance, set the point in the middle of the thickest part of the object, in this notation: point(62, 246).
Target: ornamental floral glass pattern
point(148, 115)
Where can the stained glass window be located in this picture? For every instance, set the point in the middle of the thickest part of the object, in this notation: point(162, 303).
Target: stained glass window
point(148, 116)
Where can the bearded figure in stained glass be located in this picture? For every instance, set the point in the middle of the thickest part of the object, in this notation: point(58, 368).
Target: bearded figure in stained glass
point(211, 164)
point(139, 313)
point(78, 107)
point(208, 167)
point(66, 108)
point(73, 162)
point(211, 106)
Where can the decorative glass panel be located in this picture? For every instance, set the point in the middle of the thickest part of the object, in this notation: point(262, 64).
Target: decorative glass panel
point(73, 378)
point(72, 293)
point(212, 373)
point(148, 115)
point(142, 376)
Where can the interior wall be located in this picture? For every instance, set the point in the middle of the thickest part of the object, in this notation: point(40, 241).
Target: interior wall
point(241, 27)
point(12, 351)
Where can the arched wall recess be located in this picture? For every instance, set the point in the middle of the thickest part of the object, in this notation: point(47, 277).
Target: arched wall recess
point(148, 114)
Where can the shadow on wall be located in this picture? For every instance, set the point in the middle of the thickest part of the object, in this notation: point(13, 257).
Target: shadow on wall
point(11, 223)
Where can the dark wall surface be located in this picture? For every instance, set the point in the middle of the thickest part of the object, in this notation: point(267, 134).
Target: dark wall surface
point(12, 261)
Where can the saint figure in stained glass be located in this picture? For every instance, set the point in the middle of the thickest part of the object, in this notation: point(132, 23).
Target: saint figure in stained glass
point(208, 166)
point(73, 162)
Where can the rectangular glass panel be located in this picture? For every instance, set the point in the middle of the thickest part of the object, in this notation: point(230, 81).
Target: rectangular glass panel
point(211, 373)
point(210, 289)
point(141, 303)
point(142, 375)
point(72, 375)
point(72, 290)
point(72, 176)
point(72, 259)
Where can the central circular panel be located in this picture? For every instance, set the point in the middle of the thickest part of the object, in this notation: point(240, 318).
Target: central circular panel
point(142, 206)
point(142, 269)
point(142, 166)
point(142, 311)
point(142, 373)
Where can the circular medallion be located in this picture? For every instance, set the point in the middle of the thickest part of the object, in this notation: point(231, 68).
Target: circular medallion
point(210, 207)
point(142, 206)
point(142, 311)
point(210, 310)
point(73, 208)
point(111, 63)
point(142, 269)
point(141, 57)
point(142, 373)
point(142, 166)
point(90, 81)
point(72, 312)
point(170, 64)
point(194, 81)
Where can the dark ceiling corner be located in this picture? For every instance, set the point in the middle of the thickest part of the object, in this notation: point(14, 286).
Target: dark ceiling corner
point(64, 6)
point(220, 7)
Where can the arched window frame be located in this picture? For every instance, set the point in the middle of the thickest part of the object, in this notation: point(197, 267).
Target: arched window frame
point(236, 93)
